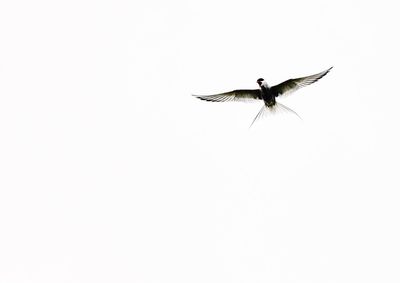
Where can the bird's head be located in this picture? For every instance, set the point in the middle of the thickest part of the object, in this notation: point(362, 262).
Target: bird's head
point(260, 81)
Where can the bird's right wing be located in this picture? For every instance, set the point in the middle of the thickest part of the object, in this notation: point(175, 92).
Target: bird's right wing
point(292, 85)
point(235, 95)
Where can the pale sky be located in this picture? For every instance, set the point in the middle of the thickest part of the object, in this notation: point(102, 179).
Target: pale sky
point(112, 172)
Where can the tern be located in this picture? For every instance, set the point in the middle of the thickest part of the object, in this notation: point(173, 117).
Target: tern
point(266, 93)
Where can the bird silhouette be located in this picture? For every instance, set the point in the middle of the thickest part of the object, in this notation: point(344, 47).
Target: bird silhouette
point(266, 93)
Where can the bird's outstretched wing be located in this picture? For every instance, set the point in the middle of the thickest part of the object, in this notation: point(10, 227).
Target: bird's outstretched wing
point(235, 95)
point(292, 85)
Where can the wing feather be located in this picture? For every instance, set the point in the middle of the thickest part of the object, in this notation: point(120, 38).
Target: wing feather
point(292, 85)
point(235, 95)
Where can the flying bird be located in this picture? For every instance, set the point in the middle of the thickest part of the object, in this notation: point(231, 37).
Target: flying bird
point(266, 93)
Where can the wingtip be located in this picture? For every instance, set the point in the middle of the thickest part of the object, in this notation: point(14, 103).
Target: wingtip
point(196, 96)
point(200, 97)
point(326, 71)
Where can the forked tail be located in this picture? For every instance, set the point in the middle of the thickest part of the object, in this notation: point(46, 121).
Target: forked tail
point(276, 109)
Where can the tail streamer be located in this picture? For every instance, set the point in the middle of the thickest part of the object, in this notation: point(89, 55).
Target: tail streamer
point(272, 110)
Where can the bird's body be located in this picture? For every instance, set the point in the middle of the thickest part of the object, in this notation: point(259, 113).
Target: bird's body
point(266, 93)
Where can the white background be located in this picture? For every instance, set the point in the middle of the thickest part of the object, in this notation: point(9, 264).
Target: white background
point(110, 171)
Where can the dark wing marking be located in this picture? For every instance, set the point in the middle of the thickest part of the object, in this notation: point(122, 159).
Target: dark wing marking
point(292, 85)
point(235, 95)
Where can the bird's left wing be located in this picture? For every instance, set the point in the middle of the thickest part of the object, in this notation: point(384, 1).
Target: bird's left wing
point(235, 95)
point(292, 85)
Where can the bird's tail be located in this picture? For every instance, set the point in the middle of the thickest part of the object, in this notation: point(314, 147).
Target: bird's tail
point(272, 110)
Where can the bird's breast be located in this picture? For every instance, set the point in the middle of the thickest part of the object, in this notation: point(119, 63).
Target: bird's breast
point(267, 96)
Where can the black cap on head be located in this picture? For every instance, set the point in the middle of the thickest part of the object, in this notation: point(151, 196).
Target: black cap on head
point(260, 80)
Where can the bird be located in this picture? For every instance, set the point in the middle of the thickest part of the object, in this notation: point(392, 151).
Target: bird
point(266, 93)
